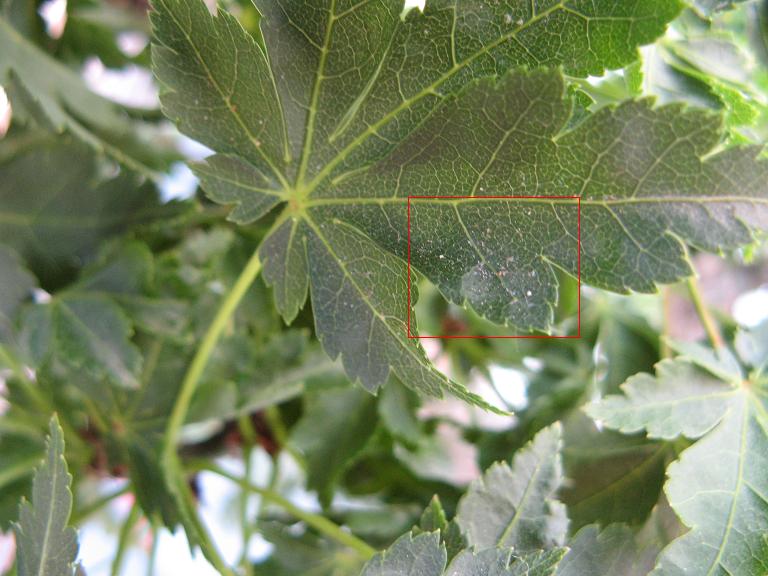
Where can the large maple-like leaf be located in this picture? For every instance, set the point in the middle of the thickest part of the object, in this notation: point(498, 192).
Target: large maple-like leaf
point(718, 486)
point(341, 110)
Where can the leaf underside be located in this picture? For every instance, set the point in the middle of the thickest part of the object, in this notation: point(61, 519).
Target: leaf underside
point(354, 118)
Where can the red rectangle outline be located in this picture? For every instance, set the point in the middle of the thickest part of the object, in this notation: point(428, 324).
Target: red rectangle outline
point(578, 266)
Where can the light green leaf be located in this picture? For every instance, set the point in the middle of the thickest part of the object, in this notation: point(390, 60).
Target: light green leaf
point(718, 485)
point(722, 363)
point(752, 345)
point(619, 550)
point(681, 400)
point(344, 104)
point(497, 562)
point(424, 555)
point(410, 555)
point(46, 545)
point(515, 507)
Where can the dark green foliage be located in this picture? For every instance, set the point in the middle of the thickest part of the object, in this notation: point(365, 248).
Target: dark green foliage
point(271, 316)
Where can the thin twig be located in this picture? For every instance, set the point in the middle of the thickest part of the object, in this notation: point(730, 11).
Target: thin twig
point(706, 318)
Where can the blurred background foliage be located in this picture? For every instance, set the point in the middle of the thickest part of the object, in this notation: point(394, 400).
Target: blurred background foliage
point(112, 265)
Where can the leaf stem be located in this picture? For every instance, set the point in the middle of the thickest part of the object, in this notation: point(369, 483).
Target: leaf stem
point(248, 435)
point(706, 318)
point(204, 351)
point(125, 537)
point(319, 523)
point(175, 477)
point(665, 349)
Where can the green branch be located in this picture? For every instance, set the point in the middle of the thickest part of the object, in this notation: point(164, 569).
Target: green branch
point(204, 351)
point(706, 318)
point(319, 523)
point(175, 477)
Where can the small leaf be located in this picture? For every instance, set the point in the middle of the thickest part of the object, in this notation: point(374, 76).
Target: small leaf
point(335, 427)
point(514, 506)
point(84, 332)
point(681, 400)
point(498, 562)
point(410, 555)
point(46, 545)
point(433, 518)
point(17, 285)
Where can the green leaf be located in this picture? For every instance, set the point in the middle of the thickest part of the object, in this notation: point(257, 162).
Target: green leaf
point(680, 400)
point(17, 286)
point(334, 130)
point(46, 545)
point(612, 477)
point(424, 555)
point(126, 274)
point(752, 345)
point(83, 332)
point(434, 518)
point(717, 486)
point(619, 550)
point(305, 554)
point(56, 98)
point(495, 562)
point(335, 427)
point(410, 555)
point(515, 506)
point(56, 208)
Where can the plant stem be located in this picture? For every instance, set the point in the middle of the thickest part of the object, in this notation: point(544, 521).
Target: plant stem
point(197, 533)
point(177, 481)
point(125, 536)
point(204, 351)
point(706, 318)
point(664, 347)
point(152, 556)
point(319, 523)
point(248, 435)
